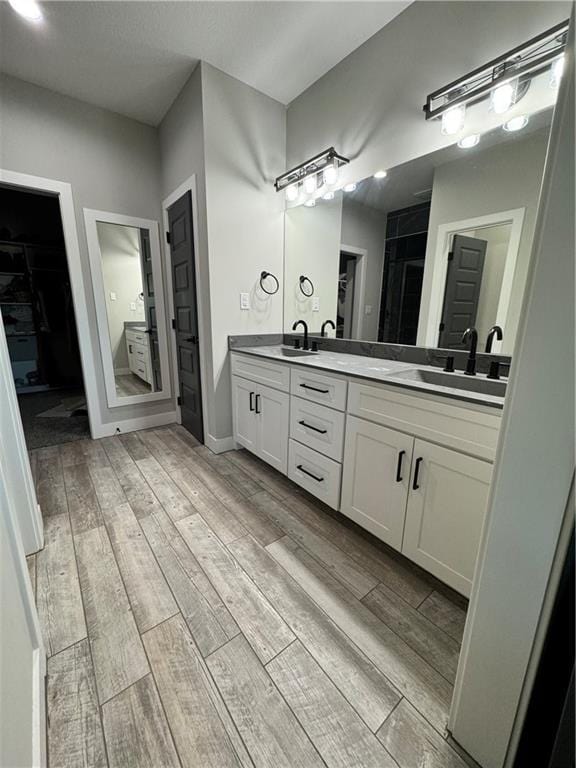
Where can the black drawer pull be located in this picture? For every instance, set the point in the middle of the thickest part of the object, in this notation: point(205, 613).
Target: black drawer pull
point(315, 389)
point(415, 485)
point(258, 404)
point(314, 477)
point(399, 467)
point(251, 401)
point(309, 426)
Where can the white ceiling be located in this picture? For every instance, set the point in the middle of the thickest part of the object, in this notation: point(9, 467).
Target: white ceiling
point(134, 57)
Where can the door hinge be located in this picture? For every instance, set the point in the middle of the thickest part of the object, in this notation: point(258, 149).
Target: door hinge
point(168, 237)
point(173, 323)
point(179, 400)
point(441, 327)
point(450, 255)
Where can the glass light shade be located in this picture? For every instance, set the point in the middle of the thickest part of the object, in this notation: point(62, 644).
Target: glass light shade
point(469, 141)
point(502, 97)
point(453, 120)
point(556, 71)
point(29, 9)
point(310, 185)
point(331, 174)
point(292, 193)
point(516, 123)
point(380, 175)
point(350, 187)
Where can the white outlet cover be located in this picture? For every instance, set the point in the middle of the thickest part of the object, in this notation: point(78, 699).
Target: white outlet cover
point(244, 301)
point(112, 296)
point(315, 304)
point(133, 306)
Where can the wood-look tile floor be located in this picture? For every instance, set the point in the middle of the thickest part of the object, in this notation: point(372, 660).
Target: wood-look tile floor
point(201, 611)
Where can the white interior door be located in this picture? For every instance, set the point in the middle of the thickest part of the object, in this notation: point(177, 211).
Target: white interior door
point(375, 479)
point(445, 514)
point(272, 409)
point(243, 408)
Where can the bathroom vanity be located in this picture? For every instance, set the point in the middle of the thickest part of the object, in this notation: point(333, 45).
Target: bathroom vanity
point(138, 349)
point(403, 450)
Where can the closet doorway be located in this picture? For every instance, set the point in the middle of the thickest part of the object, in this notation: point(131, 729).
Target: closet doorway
point(39, 320)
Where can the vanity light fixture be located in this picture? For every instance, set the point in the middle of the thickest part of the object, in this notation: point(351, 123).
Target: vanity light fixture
point(380, 174)
point(350, 187)
point(513, 69)
point(29, 9)
point(469, 141)
point(453, 120)
point(516, 123)
point(311, 174)
point(556, 72)
point(328, 195)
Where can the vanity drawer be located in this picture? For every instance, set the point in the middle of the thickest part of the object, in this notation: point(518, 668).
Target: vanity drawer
point(271, 374)
point(317, 427)
point(140, 352)
point(137, 337)
point(141, 370)
point(320, 388)
point(314, 472)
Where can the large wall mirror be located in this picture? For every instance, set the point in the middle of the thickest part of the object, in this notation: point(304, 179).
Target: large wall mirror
point(439, 244)
point(128, 292)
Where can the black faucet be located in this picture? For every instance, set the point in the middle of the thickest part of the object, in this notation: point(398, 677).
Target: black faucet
point(472, 334)
point(324, 324)
point(494, 331)
point(302, 322)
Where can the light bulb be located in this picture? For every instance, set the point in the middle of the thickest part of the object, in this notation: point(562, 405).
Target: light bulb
point(516, 123)
point(350, 187)
point(310, 203)
point(328, 196)
point(292, 193)
point(27, 8)
point(556, 72)
point(380, 175)
point(453, 120)
point(310, 184)
point(331, 174)
point(469, 141)
point(502, 98)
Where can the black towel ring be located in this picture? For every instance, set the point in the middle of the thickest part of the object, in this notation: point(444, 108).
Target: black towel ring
point(263, 276)
point(304, 279)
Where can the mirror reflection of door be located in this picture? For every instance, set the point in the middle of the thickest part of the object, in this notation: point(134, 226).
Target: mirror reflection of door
point(130, 308)
point(346, 288)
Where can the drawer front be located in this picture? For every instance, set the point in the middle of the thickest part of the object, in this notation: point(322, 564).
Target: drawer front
point(140, 352)
point(314, 472)
point(141, 369)
point(271, 374)
point(463, 427)
point(317, 427)
point(137, 337)
point(320, 388)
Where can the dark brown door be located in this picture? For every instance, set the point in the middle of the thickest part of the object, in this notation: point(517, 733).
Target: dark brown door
point(186, 314)
point(150, 307)
point(463, 283)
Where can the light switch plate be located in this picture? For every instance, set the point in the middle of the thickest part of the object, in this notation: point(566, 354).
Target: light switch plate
point(112, 296)
point(315, 304)
point(244, 301)
point(368, 309)
point(133, 306)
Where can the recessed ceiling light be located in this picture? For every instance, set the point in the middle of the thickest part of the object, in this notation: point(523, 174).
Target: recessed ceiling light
point(380, 175)
point(350, 187)
point(516, 123)
point(328, 196)
point(469, 141)
point(29, 9)
point(310, 203)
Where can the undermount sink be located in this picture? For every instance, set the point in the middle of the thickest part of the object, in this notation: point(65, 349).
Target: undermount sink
point(479, 384)
point(293, 352)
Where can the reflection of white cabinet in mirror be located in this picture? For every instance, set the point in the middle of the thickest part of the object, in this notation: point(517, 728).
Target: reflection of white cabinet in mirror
point(128, 292)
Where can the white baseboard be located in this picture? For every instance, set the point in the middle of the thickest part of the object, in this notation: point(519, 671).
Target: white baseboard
point(39, 709)
point(220, 444)
point(133, 425)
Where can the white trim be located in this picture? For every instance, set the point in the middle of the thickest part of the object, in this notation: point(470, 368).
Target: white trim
point(91, 218)
point(79, 296)
point(221, 444)
point(359, 288)
point(515, 218)
point(187, 186)
point(133, 425)
point(39, 707)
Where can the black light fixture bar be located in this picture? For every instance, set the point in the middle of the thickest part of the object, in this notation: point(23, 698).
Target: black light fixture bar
point(528, 59)
point(310, 168)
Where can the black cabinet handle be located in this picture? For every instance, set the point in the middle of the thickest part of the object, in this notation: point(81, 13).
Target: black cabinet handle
point(309, 426)
point(314, 477)
point(192, 339)
point(258, 404)
point(399, 467)
point(251, 401)
point(415, 485)
point(315, 389)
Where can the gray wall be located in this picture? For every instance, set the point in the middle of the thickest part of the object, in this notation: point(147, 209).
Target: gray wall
point(369, 106)
point(112, 163)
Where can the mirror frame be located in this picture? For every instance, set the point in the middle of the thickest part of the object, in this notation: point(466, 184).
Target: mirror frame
point(91, 218)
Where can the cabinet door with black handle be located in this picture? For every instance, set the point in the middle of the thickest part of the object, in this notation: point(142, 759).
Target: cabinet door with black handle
point(244, 413)
point(272, 408)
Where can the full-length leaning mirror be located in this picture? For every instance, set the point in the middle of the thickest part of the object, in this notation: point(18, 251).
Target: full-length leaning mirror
point(434, 246)
point(127, 281)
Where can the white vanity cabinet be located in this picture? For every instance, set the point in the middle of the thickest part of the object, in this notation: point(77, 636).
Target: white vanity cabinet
point(137, 346)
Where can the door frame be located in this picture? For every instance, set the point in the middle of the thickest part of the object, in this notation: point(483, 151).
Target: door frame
point(189, 185)
point(91, 218)
point(79, 296)
point(428, 327)
point(359, 287)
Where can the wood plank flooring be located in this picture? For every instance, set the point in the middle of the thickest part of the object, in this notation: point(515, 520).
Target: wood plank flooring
point(203, 611)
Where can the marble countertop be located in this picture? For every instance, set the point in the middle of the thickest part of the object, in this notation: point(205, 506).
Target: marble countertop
point(374, 369)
